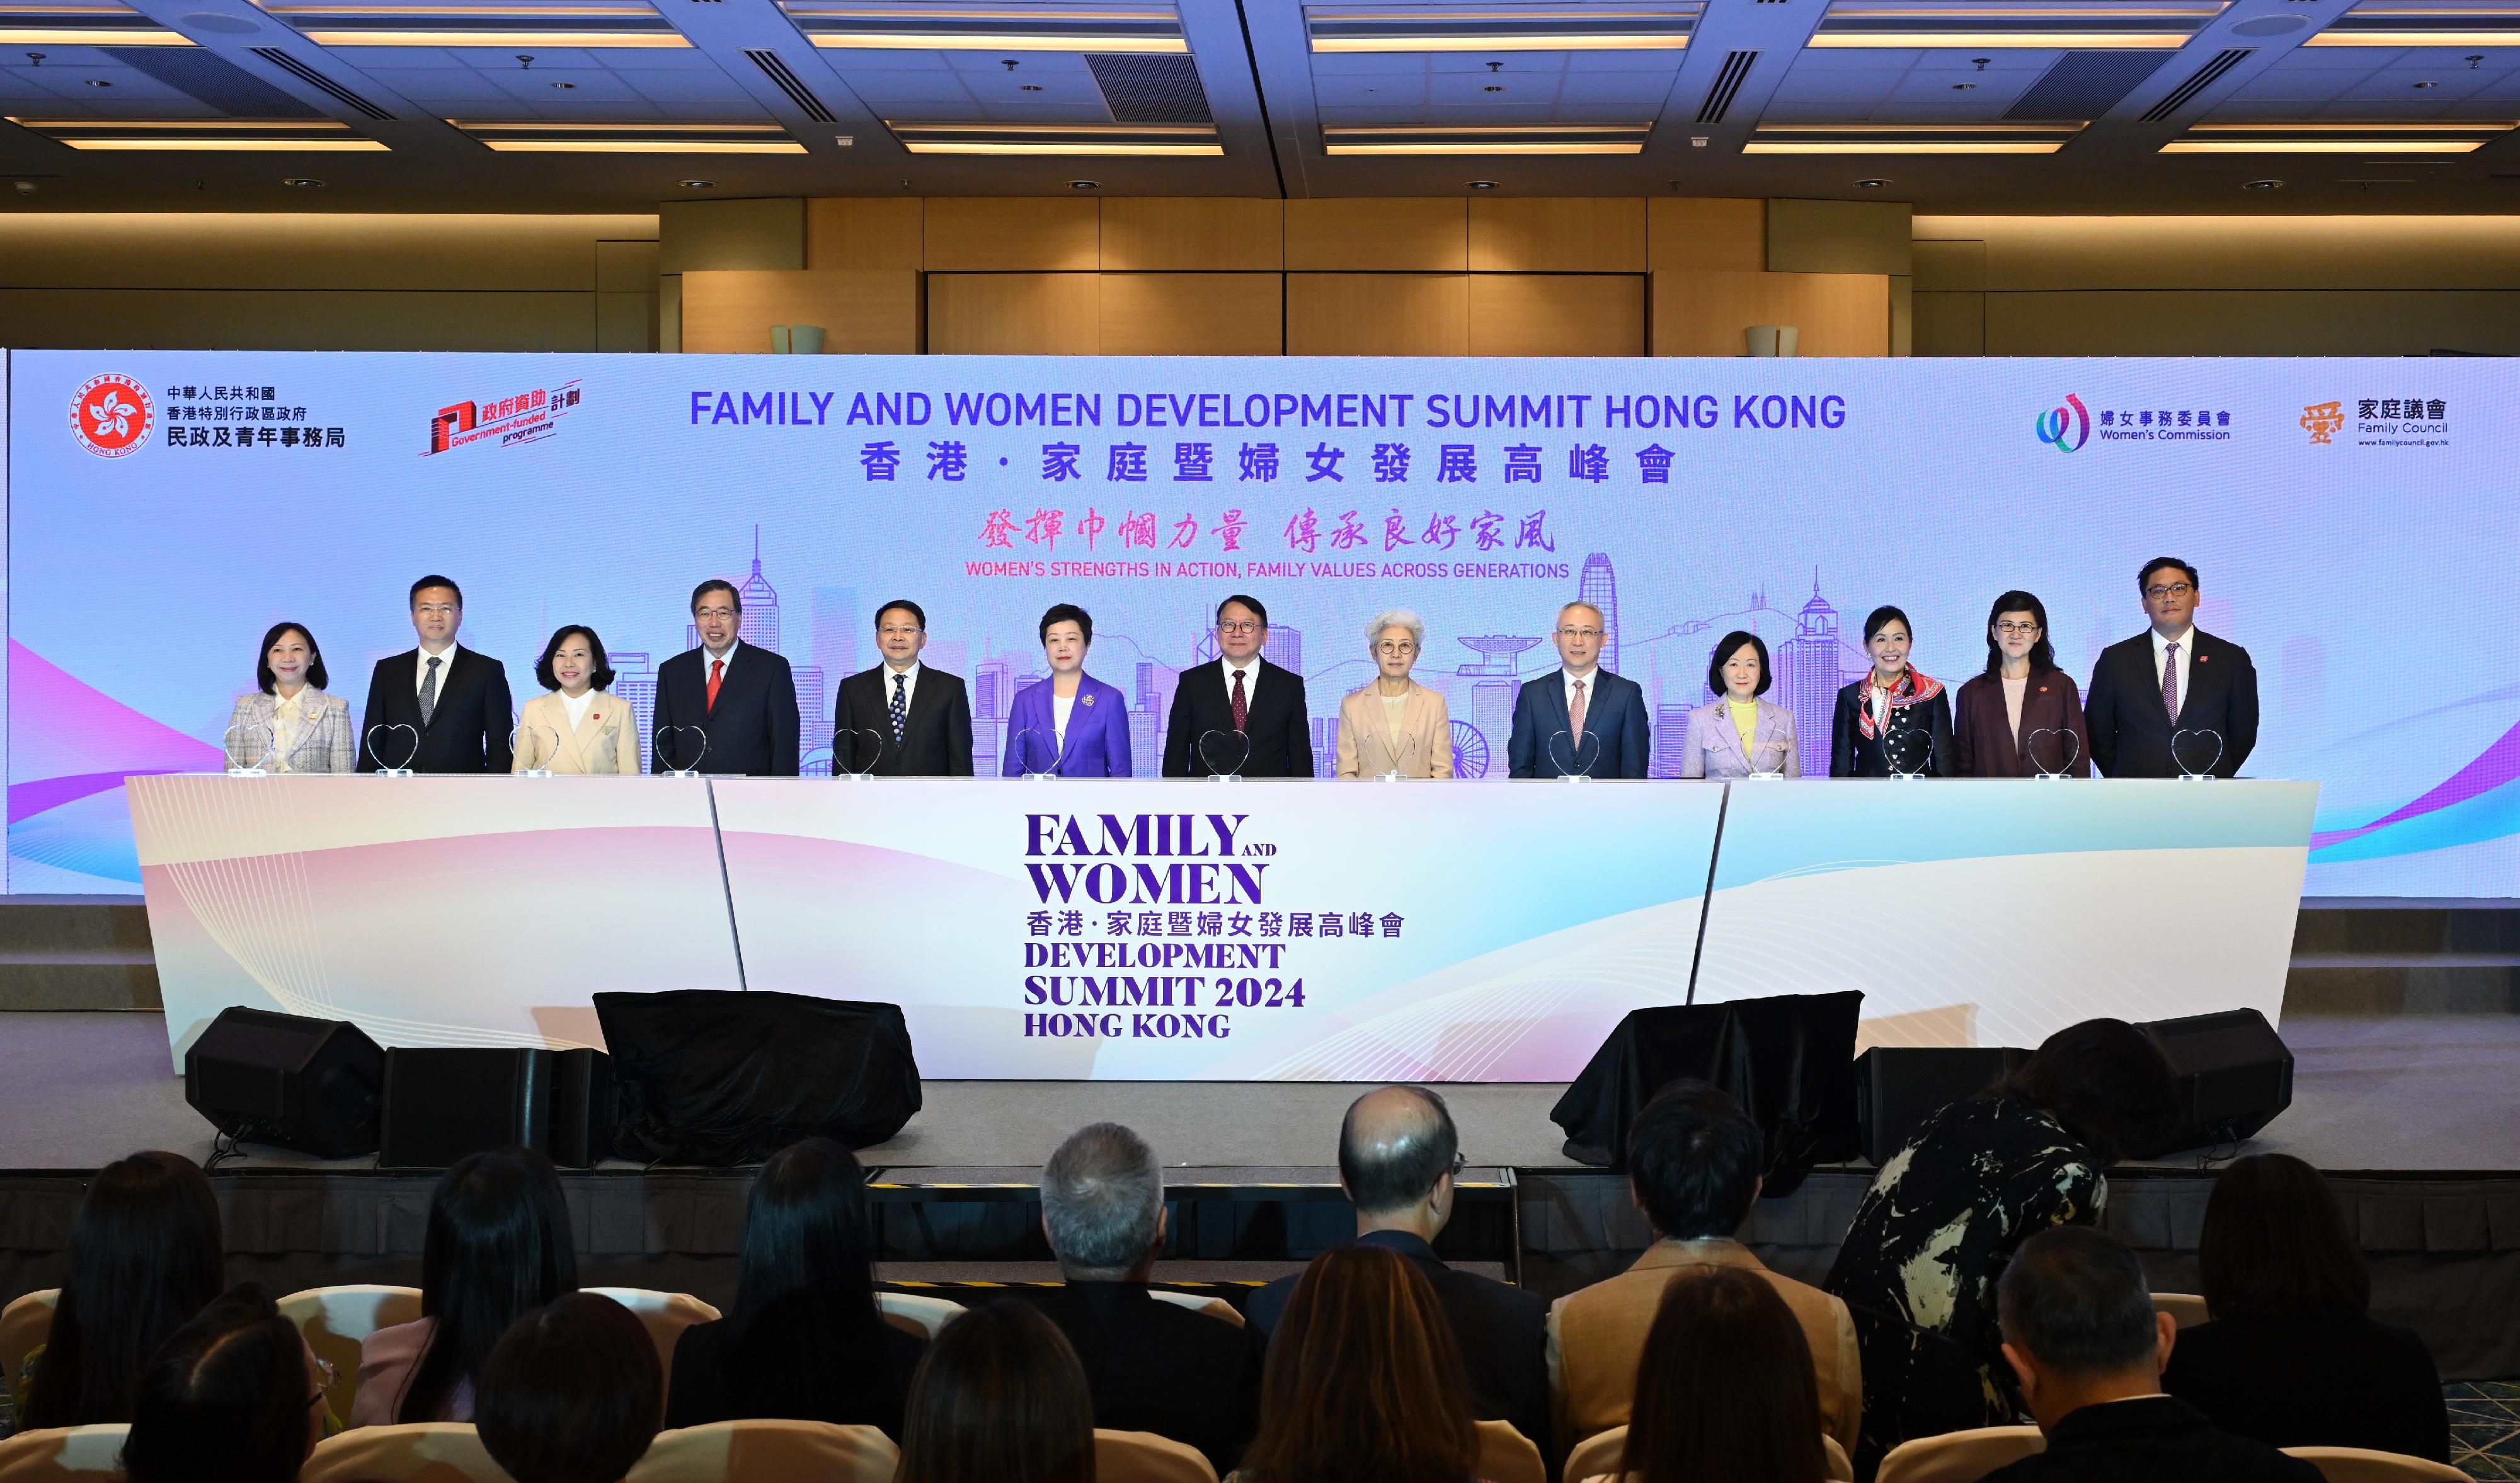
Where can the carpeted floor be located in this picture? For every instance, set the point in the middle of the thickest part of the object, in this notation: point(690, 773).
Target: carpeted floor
point(2485, 1428)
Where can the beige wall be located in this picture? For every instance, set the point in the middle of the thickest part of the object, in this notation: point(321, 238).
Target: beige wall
point(309, 282)
point(2216, 286)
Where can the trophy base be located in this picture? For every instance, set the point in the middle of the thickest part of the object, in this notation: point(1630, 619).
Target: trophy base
point(680, 772)
point(1764, 777)
point(2199, 777)
point(2054, 776)
point(852, 777)
point(1040, 776)
point(246, 772)
point(1224, 776)
point(1905, 777)
point(1574, 777)
point(1390, 777)
point(535, 772)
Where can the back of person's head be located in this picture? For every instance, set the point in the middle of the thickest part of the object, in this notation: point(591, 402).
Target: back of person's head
point(1000, 1398)
point(804, 1299)
point(2074, 1299)
point(1101, 1202)
point(498, 1245)
point(1725, 1392)
point(2106, 1081)
point(1365, 1382)
point(572, 1394)
point(229, 1398)
point(145, 1256)
point(1395, 1143)
point(2276, 1245)
point(1693, 1156)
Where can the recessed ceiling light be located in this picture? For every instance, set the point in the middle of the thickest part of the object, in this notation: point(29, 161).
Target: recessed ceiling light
point(2262, 185)
point(1963, 87)
point(1492, 88)
point(98, 82)
point(303, 183)
point(1085, 185)
point(564, 86)
point(1870, 185)
point(2421, 85)
point(1029, 87)
point(1483, 185)
point(697, 185)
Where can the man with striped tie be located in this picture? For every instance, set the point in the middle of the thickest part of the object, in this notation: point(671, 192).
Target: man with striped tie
point(2173, 700)
point(909, 720)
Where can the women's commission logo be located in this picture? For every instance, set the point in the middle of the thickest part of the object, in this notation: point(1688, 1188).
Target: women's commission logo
point(2067, 428)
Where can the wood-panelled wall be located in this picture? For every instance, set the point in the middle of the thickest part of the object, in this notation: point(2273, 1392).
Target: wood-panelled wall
point(1230, 276)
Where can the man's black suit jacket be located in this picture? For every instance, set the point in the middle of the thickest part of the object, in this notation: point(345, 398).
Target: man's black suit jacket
point(468, 730)
point(2160, 1439)
point(752, 729)
point(2131, 731)
point(936, 737)
point(1156, 1366)
point(1280, 732)
point(1503, 1333)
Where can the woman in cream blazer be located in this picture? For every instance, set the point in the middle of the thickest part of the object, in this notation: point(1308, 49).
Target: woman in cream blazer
point(578, 725)
point(1395, 721)
point(290, 725)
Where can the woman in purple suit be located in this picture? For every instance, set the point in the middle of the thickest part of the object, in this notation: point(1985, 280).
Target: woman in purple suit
point(1071, 723)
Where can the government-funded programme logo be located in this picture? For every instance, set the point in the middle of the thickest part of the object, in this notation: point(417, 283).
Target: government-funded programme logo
point(112, 415)
point(2323, 420)
point(523, 417)
point(2067, 428)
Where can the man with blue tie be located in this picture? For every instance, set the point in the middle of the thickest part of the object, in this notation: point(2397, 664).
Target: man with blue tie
point(740, 697)
point(1581, 700)
point(903, 719)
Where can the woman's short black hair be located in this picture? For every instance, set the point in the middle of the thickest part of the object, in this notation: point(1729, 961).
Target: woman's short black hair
point(1068, 613)
point(1725, 648)
point(603, 676)
point(270, 682)
point(1883, 615)
point(2106, 1081)
point(225, 1401)
point(2043, 655)
point(574, 1393)
point(2276, 1246)
point(144, 1255)
point(498, 1245)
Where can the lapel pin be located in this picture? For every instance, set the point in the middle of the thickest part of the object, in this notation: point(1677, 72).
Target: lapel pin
point(2043, 689)
point(2202, 659)
point(1089, 700)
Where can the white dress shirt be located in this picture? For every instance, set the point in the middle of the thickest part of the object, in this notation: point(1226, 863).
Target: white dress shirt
point(1061, 708)
point(286, 716)
point(1249, 669)
point(420, 669)
point(1592, 693)
point(2187, 643)
point(909, 686)
point(709, 656)
point(576, 707)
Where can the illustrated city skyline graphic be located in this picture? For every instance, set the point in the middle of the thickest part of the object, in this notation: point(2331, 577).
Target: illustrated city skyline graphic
point(1811, 656)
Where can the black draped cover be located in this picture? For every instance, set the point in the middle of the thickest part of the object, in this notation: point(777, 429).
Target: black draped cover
point(718, 1077)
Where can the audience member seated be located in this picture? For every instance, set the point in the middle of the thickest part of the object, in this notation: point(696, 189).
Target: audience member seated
point(1153, 1365)
point(235, 1396)
point(1365, 1382)
point(1399, 1154)
point(1920, 1262)
point(572, 1394)
point(1694, 1159)
point(2086, 1347)
point(2292, 1356)
point(1724, 1390)
point(999, 1399)
point(145, 1257)
point(805, 1341)
point(498, 1246)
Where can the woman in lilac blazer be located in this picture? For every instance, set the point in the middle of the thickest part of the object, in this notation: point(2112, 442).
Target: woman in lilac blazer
point(1071, 716)
point(1738, 675)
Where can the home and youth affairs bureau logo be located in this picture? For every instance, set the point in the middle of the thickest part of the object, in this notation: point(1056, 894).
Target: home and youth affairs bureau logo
point(509, 421)
point(2381, 421)
point(112, 415)
point(2066, 428)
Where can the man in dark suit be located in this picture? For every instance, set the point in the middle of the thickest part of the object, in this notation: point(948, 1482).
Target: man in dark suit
point(923, 716)
point(455, 702)
point(2080, 1330)
point(1398, 1158)
point(1582, 699)
point(740, 695)
point(2172, 677)
point(1240, 692)
point(1152, 1366)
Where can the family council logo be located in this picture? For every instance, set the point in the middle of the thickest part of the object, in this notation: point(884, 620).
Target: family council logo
point(112, 415)
point(2067, 428)
point(2380, 421)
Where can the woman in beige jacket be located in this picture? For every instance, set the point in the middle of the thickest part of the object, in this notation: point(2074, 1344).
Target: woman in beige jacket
point(1395, 724)
point(580, 726)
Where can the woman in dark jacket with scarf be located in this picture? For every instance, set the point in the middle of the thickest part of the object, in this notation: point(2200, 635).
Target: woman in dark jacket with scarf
point(1894, 719)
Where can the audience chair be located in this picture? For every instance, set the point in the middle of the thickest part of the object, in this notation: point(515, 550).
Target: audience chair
point(25, 1324)
point(1141, 1456)
point(64, 1454)
point(930, 1314)
point(419, 1452)
point(2356, 1464)
point(336, 1321)
point(767, 1452)
point(2185, 1308)
point(666, 1315)
point(1598, 1458)
point(1960, 1457)
point(1506, 1455)
point(1213, 1307)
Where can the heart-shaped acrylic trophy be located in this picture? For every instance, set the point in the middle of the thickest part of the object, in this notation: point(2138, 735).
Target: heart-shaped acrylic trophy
point(1575, 756)
point(1767, 759)
point(1389, 759)
point(2064, 745)
point(535, 747)
point(1225, 752)
point(680, 749)
point(855, 750)
point(1037, 753)
point(2186, 745)
point(382, 753)
point(248, 746)
point(1908, 750)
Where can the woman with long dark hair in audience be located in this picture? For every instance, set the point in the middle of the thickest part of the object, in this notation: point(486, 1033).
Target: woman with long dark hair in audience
point(572, 1394)
point(805, 1341)
point(235, 1396)
point(1918, 1266)
point(1365, 1382)
point(1001, 1398)
point(2292, 1356)
point(145, 1256)
point(1725, 1391)
point(498, 1245)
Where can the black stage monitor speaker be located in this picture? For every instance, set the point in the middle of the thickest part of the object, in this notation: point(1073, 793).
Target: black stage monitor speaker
point(2235, 1076)
point(308, 1085)
point(1898, 1087)
point(584, 1108)
point(444, 1103)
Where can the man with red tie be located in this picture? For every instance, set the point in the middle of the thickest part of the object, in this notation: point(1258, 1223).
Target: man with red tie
point(1254, 708)
point(727, 706)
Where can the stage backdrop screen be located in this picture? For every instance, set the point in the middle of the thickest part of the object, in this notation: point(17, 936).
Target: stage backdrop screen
point(2354, 522)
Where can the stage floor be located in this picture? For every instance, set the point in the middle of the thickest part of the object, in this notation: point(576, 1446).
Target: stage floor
point(2396, 1092)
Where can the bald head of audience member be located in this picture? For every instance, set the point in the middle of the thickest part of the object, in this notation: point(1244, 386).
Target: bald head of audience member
point(1102, 1205)
point(1397, 1151)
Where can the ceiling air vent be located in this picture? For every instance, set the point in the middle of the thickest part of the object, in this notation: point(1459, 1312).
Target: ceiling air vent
point(1150, 89)
point(317, 80)
point(780, 73)
point(2085, 84)
point(2206, 76)
point(198, 73)
point(1727, 85)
